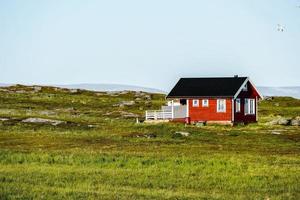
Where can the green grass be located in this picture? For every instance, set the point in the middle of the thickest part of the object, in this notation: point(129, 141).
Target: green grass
point(108, 161)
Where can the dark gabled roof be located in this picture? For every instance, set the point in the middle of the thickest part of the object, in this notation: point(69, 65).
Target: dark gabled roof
point(207, 87)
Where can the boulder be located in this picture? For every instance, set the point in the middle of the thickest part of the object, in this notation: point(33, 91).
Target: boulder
point(199, 124)
point(185, 134)
point(148, 135)
point(283, 121)
point(124, 103)
point(147, 97)
point(268, 98)
point(295, 121)
point(279, 121)
point(43, 121)
point(73, 90)
point(128, 103)
point(275, 133)
point(37, 88)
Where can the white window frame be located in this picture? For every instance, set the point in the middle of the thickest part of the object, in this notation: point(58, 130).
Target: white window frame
point(205, 102)
point(250, 106)
point(238, 105)
point(221, 109)
point(195, 103)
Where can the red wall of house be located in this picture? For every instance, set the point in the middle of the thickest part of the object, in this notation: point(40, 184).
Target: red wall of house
point(240, 116)
point(210, 113)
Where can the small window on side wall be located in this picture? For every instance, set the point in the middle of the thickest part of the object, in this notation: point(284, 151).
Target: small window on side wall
point(204, 102)
point(238, 105)
point(195, 103)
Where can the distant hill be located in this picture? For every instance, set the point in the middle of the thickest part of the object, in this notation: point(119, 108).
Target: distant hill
point(111, 87)
point(280, 91)
point(266, 91)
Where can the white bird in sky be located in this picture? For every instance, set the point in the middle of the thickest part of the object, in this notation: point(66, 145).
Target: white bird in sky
point(280, 28)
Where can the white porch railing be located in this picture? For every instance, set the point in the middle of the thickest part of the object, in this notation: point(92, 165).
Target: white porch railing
point(158, 114)
point(167, 112)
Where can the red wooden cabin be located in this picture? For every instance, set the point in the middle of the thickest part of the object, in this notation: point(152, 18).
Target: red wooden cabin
point(225, 100)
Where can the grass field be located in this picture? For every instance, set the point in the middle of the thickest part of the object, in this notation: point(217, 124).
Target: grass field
point(97, 154)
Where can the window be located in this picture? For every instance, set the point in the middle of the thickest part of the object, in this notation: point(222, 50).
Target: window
point(204, 102)
point(195, 103)
point(249, 106)
point(221, 105)
point(245, 88)
point(238, 105)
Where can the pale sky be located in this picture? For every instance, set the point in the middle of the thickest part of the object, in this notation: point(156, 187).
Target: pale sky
point(148, 43)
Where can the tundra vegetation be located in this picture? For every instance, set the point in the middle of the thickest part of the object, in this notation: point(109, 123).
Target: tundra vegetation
point(74, 144)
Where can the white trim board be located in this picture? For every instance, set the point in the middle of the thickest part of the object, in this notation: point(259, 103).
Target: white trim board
point(245, 82)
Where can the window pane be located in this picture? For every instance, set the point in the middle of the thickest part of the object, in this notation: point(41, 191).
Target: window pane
point(221, 105)
point(238, 105)
point(246, 106)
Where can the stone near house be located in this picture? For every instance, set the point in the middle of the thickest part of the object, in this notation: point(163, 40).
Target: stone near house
point(283, 121)
point(199, 124)
point(279, 121)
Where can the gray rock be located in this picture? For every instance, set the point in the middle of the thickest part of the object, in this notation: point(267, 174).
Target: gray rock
point(199, 124)
point(124, 103)
point(37, 88)
point(268, 98)
point(43, 121)
point(279, 121)
point(128, 103)
point(147, 97)
point(283, 121)
point(295, 121)
point(73, 90)
point(185, 134)
point(275, 133)
point(148, 135)
point(4, 119)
